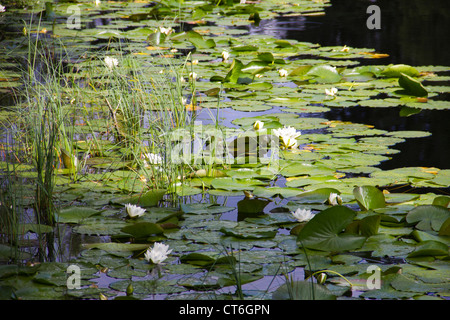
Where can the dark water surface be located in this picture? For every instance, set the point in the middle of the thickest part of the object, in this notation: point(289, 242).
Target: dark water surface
point(414, 32)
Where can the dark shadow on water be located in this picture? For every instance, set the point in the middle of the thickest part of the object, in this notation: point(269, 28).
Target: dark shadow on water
point(431, 151)
point(413, 32)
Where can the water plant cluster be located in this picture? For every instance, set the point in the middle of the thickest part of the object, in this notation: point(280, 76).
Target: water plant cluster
point(170, 154)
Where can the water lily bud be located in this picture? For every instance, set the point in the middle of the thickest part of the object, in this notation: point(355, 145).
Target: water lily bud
point(334, 199)
point(258, 125)
point(130, 290)
point(321, 278)
point(102, 296)
point(225, 55)
point(331, 92)
point(283, 73)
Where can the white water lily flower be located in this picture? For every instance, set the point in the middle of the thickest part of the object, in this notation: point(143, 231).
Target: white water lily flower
point(288, 142)
point(282, 73)
point(97, 3)
point(158, 253)
point(166, 31)
point(331, 92)
point(225, 55)
point(2, 8)
point(111, 62)
point(334, 199)
point(152, 158)
point(344, 48)
point(288, 136)
point(302, 215)
point(258, 125)
point(193, 75)
point(134, 211)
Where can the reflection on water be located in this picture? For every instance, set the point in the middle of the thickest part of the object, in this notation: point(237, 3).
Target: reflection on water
point(412, 32)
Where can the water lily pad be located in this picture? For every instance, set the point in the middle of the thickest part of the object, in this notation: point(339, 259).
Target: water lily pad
point(324, 231)
point(428, 217)
point(369, 197)
point(147, 199)
point(412, 86)
point(117, 247)
point(316, 196)
point(324, 74)
point(430, 248)
point(75, 214)
point(143, 229)
point(302, 290)
point(203, 208)
point(395, 71)
point(236, 184)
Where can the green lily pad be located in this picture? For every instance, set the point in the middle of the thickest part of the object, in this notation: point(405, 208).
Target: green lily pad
point(206, 260)
point(323, 231)
point(143, 229)
point(430, 248)
point(316, 196)
point(369, 197)
point(204, 208)
point(395, 71)
point(75, 214)
point(324, 74)
point(236, 184)
point(148, 199)
point(428, 217)
point(249, 232)
point(411, 86)
point(117, 247)
point(302, 290)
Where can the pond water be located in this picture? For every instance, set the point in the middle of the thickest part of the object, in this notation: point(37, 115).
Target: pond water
point(270, 235)
point(412, 32)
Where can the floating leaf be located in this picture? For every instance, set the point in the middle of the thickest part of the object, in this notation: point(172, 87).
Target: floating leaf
point(412, 87)
point(149, 199)
point(252, 205)
point(117, 247)
point(205, 260)
point(302, 290)
point(236, 184)
point(300, 71)
point(235, 71)
point(442, 201)
point(324, 231)
point(428, 217)
point(75, 214)
point(143, 229)
point(369, 197)
point(200, 208)
point(243, 232)
point(395, 71)
point(430, 248)
point(324, 74)
point(316, 196)
point(34, 227)
point(366, 227)
point(445, 228)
